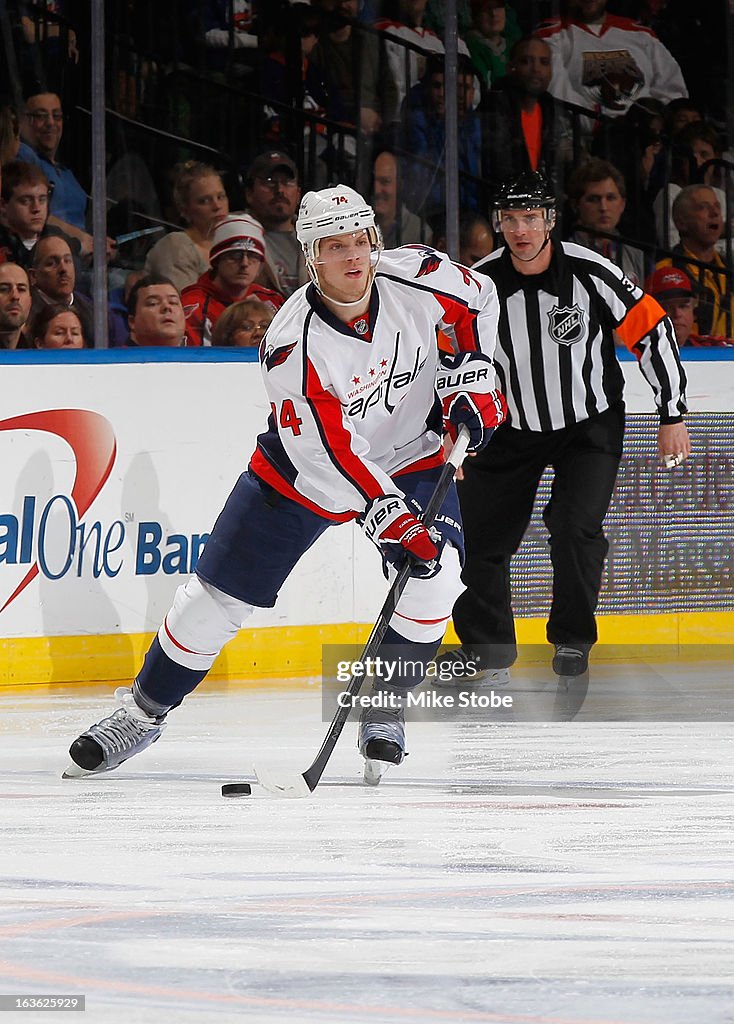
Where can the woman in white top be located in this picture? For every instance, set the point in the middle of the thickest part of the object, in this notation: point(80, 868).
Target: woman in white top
point(201, 200)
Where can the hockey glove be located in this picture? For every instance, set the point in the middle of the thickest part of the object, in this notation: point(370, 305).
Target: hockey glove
point(389, 523)
point(465, 385)
point(480, 413)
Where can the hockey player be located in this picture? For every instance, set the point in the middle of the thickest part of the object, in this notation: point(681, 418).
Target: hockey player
point(359, 402)
point(560, 305)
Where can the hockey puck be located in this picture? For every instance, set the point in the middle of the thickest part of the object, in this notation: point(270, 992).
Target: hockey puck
point(236, 789)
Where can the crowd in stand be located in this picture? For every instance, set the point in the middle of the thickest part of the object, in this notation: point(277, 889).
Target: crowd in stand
point(606, 99)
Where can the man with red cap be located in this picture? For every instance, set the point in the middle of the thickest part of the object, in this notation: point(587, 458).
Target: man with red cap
point(673, 289)
point(236, 256)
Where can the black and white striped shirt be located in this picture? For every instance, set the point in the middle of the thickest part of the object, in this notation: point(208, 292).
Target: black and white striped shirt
point(555, 354)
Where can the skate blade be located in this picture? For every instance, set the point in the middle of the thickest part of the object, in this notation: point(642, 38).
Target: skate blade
point(374, 770)
point(73, 771)
point(492, 677)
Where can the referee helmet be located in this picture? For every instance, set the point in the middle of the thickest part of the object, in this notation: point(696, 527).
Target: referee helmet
point(526, 191)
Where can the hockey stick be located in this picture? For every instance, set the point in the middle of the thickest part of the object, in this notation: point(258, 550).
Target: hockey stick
point(293, 784)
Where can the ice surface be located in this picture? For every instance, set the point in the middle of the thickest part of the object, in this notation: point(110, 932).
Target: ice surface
point(508, 872)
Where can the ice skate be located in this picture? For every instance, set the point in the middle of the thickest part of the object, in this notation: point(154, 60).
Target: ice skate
point(464, 667)
point(381, 740)
point(571, 659)
point(105, 746)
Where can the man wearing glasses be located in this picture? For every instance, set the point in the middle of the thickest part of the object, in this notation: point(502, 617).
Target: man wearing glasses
point(41, 128)
point(272, 194)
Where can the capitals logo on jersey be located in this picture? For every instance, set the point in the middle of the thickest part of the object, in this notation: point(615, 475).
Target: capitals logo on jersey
point(431, 260)
point(566, 324)
point(431, 263)
point(272, 357)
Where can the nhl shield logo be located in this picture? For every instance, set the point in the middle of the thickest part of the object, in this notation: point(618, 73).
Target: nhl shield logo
point(566, 324)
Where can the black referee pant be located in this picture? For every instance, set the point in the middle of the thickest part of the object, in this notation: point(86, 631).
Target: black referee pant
point(497, 496)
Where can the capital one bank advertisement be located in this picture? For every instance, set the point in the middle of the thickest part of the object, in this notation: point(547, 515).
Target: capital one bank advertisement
point(115, 466)
point(112, 476)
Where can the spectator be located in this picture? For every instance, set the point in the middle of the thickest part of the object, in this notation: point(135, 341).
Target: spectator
point(634, 144)
point(358, 88)
point(237, 253)
point(24, 211)
point(698, 218)
point(288, 81)
point(53, 277)
point(404, 20)
point(117, 299)
point(522, 130)
point(476, 237)
point(693, 146)
point(678, 114)
point(597, 194)
point(201, 202)
point(673, 290)
point(9, 134)
point(606, 63)
point(495, 31)
point(228, 23)
point(690, 30)
point(56, 326)
point(699, 142)
point(15, 303)
point(41, 127)
point(243, 324)
point(407, 228)
point(426, 139)
point(53, 39)
point(155, 313)
point(272, 194)
point(436, 16)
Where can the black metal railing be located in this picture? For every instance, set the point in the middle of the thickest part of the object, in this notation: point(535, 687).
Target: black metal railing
point(171, 97)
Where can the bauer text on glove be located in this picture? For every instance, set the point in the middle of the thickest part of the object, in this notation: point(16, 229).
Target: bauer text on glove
point(390, 524)
point(465, 385)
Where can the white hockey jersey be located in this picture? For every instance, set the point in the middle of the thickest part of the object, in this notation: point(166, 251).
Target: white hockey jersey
point(354, 404)
point(607, 70)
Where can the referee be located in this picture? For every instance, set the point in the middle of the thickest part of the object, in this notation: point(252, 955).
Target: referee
point(560, 305)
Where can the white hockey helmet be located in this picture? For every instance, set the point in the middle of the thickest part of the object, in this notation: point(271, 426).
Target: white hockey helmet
point(333, 211)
